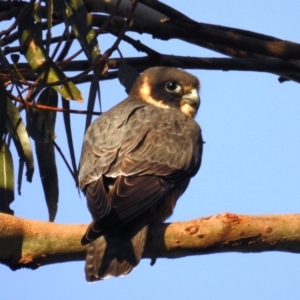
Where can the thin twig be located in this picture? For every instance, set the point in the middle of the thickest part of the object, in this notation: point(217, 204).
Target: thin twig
point(66, 162)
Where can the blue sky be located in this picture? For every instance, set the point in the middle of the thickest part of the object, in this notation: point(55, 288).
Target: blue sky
point(251, 165)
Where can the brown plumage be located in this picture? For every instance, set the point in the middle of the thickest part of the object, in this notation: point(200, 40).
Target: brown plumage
point(137, 160)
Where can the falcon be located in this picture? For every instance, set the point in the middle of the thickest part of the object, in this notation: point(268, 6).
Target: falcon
point(137, 160)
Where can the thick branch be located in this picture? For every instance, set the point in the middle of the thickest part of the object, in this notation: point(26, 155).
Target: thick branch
point(229, 41)
point(164, 22)
point(225, 233)
point(271, 65)
point(30, 244)
point(27, 243)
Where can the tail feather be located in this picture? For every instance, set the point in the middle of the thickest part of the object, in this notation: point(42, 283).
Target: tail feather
point(115, 254)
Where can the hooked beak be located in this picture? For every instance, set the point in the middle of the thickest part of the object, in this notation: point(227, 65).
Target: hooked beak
point(192, 98)
point(190, 102)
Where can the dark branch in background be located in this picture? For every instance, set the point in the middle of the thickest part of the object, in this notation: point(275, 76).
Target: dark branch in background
point(66, 162)
point(241, 43)
point(229, 41)
point(106, 23)
point(244, 46)
point(207, 63)
point(165, 10)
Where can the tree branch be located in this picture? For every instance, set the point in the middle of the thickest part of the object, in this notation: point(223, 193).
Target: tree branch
point(271, 65)
point(229, 41)
point(31, 244)
point(250, 50)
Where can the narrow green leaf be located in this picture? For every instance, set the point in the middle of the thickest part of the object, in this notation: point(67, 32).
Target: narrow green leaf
point(3, 108)
point(20, 175)
point(41, 122)
point(45, 151)
point(127, 76)
point(48, 174)
point(18, 132)
point(49, 9)
point(5, 64)
point(3, 61)
point(30, 36)
point(49, 97)
point(6, 180)
point(37, 126)
point(67, 121)
point(94, 89)
point(81, 22)
point(37, 12)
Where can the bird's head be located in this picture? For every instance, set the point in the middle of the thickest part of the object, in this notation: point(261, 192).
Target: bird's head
point(168, 88)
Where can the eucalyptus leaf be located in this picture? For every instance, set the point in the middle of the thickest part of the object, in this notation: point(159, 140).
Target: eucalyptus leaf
point(81, 22)
point(45, 150)
point(6, 180)
point(18, 132)
point(48, 174)
point(68, 128)
point(30, 37)
point(3, 108)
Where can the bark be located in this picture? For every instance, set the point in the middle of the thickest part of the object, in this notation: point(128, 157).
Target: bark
point(31, 244)
point(272, 65)
point(250, 51)
point(171, 24)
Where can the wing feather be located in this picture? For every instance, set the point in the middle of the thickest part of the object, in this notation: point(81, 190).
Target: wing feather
point(126, 203)
point(131, 140)
point(157, 136)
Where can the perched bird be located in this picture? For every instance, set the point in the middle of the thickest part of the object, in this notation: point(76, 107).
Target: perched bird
point(137, 160)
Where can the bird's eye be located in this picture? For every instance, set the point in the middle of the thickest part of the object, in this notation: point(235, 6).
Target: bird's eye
point(173, 87)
